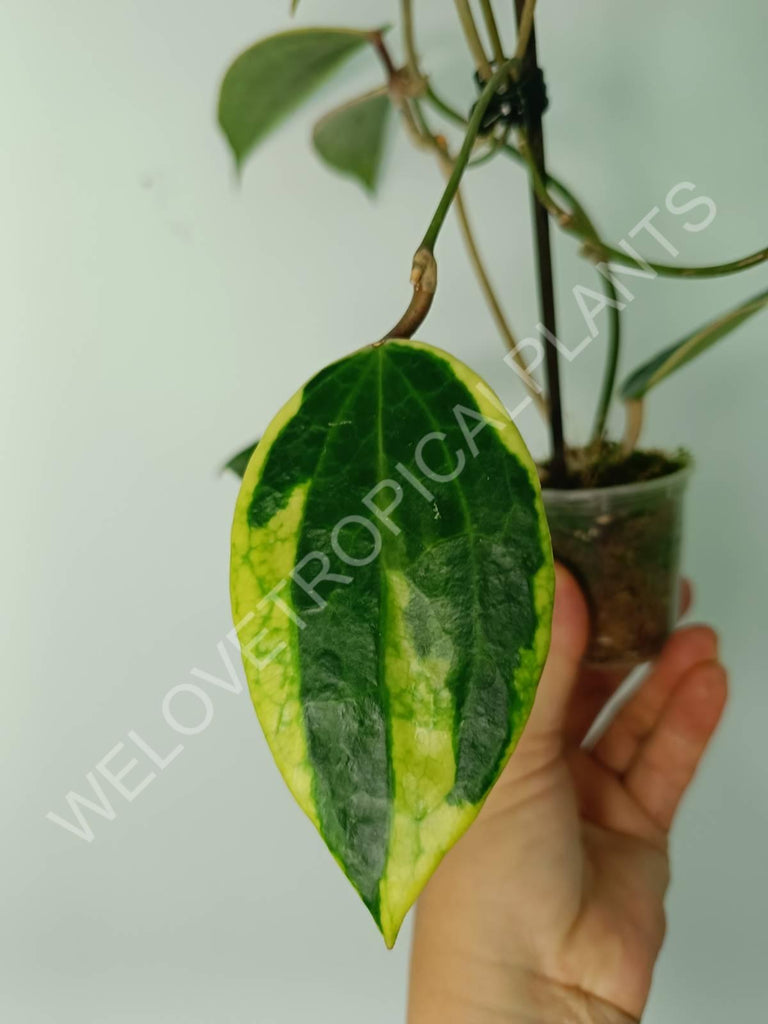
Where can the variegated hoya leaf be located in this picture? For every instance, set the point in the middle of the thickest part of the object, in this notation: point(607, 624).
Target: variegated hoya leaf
point(392, 588)
point(659, 367)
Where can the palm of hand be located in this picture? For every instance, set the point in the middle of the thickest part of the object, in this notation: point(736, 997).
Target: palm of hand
point(562, 877)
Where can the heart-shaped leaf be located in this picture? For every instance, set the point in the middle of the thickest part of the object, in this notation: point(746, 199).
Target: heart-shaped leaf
point(647, 376)
point(269, 80)
point(392, 587)
point(351, 138)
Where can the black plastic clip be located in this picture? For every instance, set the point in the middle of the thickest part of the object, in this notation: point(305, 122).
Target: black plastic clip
point(517, 102)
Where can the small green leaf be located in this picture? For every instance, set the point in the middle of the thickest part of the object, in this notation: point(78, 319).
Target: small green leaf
point(239, 463)
point(647, 376)
point(351, 138)
point(268, 81)
point(294, 5)
point(392, 586)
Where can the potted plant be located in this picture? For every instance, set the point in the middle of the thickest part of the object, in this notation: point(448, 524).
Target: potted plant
point(392, 565)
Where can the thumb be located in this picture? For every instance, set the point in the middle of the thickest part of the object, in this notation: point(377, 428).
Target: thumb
point(570, 633)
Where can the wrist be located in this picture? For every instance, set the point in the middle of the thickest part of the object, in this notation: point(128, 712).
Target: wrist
point(456, 993)
point(541, 1001)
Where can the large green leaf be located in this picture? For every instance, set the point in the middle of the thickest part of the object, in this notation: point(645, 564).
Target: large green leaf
point(392, 588)
point(268, 81)
point(647, 376)
point(351, 138)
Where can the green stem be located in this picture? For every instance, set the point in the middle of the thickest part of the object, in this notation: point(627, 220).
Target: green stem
point(525, 29)
point(424, 130)
point(608, 252)
point(493, 31)
point(447, 111)
point(611, 358)
point(614, 335)
point(473, 252)
point(539, 185)
point(473, 127)
point(577, 216)
point(424, 278)
point(493, 150)
point(474, 42)
point(409, 38)
point(598, 248)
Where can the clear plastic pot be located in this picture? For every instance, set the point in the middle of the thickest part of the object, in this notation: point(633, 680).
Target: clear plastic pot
point(623, 545)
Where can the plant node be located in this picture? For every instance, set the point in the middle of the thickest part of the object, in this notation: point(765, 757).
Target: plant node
point(424, 281)
point(424, 271)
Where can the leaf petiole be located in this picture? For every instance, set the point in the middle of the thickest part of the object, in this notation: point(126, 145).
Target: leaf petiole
point(473, 127)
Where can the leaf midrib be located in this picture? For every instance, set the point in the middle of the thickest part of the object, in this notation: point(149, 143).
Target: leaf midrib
point(469, 532)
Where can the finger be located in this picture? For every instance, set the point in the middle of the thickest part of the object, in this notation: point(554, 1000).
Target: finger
point(605, 802)
point(634, 722)
point(667, 761)
point(570, 632)
point(597, 686)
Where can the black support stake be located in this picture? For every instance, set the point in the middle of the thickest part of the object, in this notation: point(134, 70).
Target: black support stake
point(546, 282)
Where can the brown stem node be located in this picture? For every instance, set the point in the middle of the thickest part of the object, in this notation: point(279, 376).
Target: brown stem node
point(424, 281)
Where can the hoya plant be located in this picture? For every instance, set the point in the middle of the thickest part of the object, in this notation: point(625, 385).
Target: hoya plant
point(392, 567)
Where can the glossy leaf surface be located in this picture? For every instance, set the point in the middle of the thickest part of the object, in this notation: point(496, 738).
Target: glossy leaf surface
point(269, 80)
point(392, 588)
point(351, 138)
point(657, 369)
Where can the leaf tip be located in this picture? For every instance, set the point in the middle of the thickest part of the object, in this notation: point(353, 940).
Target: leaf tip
point(236, 151)
point(394, 904)
point(390, 928)
point(370, 185)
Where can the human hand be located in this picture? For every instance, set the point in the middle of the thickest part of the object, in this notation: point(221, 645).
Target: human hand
point(550, 908)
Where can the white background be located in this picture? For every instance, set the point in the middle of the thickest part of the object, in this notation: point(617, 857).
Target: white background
point(153, 318)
